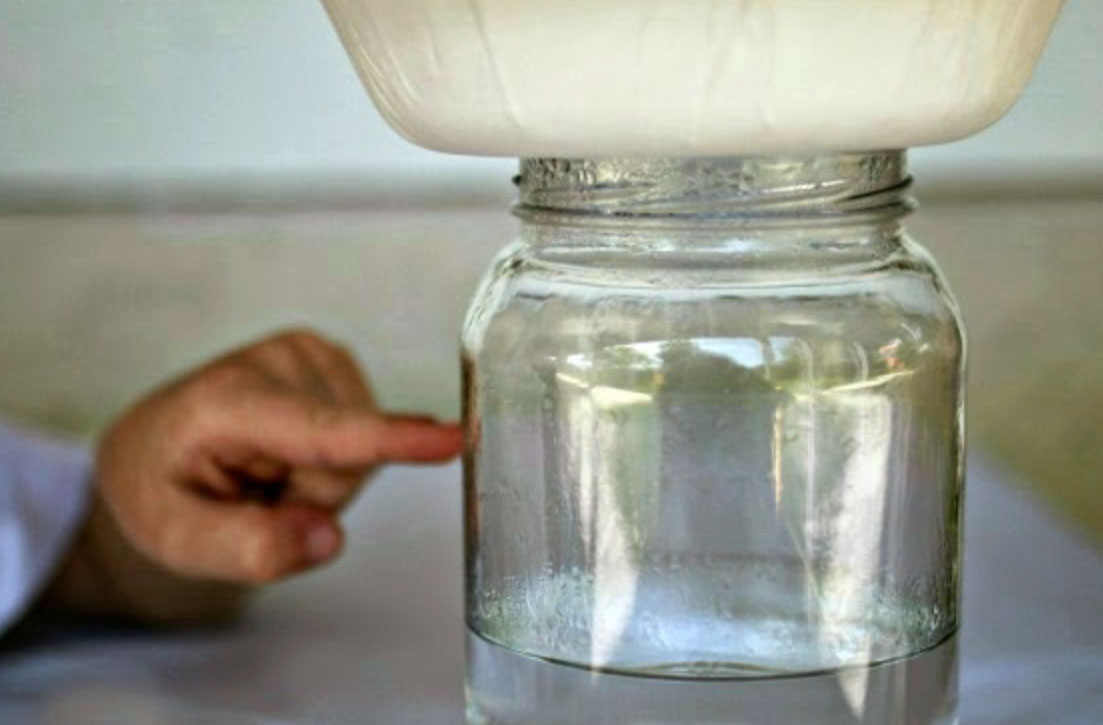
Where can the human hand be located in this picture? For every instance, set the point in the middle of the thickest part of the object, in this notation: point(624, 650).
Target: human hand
point(233, 476)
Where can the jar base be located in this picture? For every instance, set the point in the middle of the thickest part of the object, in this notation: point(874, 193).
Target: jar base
point(506, 687)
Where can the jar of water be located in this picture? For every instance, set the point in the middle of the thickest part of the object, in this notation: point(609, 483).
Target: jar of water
point(714, 465)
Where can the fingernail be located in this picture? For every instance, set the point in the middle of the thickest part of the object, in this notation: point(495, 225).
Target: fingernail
point(321, 543)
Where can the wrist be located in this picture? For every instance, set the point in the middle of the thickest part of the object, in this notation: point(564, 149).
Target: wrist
point(105, 575)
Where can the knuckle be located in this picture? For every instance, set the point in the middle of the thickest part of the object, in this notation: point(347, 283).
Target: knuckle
point(219, 380)
point(342, 353)
point(347, 362)
point(196, 410)
point(297, 336)
point(344, 364)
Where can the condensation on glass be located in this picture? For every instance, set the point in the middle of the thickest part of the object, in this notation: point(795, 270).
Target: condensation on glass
point(714, 457)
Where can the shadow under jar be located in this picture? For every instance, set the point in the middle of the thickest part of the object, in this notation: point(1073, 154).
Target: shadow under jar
point(713, 473)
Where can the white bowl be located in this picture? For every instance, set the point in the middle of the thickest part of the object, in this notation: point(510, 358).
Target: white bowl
point(592, 78)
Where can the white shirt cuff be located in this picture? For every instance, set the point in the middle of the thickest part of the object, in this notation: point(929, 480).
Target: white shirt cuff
point(44, 494)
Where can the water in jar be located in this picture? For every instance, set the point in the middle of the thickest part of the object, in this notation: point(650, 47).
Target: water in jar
point(732, 526)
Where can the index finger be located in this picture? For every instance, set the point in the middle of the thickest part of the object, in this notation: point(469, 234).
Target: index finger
point(301, 431)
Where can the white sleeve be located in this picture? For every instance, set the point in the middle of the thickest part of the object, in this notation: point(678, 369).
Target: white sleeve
point(44, 493)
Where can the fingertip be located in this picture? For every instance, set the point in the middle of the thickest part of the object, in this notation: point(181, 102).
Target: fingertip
point(322, 542)
point(407, 439)
point(437, 443)
point(452, 440)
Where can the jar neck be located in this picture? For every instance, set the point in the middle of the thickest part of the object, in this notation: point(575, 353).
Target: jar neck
point(822, 190)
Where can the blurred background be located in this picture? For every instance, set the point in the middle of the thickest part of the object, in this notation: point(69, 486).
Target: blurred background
point(178, 177)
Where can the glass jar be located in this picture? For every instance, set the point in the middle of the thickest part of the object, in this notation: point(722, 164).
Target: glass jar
point(714, 461)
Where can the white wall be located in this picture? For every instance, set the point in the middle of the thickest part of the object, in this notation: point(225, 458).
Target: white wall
point(121, 89)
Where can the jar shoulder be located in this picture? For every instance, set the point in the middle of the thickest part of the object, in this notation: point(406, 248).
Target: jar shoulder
point(527, 306)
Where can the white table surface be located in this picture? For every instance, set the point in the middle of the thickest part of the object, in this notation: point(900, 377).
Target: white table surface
point(378, 637)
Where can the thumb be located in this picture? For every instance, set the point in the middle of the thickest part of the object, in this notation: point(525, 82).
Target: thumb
point(244, 542)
